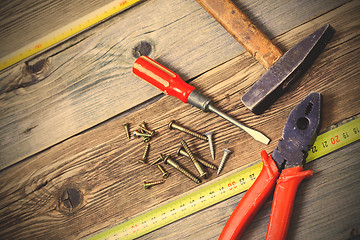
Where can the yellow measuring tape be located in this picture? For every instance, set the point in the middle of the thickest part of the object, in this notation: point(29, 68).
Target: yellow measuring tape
point(223, 189)
point(66, 32)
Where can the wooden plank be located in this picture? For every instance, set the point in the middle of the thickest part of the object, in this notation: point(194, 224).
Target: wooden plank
point(48, 100)
point(103, 167)
point(23, 22)
point(326, 206)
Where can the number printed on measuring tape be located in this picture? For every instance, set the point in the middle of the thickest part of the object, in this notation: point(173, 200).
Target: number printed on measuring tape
point(223, 189)
point(334, 139)
point(184, 206)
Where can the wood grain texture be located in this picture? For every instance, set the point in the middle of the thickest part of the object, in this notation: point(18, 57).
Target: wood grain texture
point(48, 100)
point(326, 206)
point(102, 164)
point(22, 22)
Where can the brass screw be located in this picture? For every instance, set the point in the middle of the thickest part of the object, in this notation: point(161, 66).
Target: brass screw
point(143, 127)
point(127, 131)
point(159, 159)
point(163, 171)
point(147, 185)
point(202, 173)
point(144, 156)
point(139, 134)
point(173, 125)
point(168, 160)
point(182, 152)
point(211, 144)
point(223, 160)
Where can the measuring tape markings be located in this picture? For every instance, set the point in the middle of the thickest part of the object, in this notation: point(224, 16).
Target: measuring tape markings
point(184, 206)
point(334, 139)
point(66, 32)
point(223, 189)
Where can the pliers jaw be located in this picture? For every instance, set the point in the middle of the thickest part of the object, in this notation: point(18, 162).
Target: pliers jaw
point(299, 133)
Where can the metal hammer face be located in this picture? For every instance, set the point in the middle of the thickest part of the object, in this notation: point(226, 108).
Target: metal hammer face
point(283, 69)
point(286, 70)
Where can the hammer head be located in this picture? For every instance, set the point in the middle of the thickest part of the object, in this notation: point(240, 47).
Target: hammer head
point(286, 70)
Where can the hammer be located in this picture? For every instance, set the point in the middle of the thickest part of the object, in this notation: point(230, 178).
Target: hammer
point(283, 69)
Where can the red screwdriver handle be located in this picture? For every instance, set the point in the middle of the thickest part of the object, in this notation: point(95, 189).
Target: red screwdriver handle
point(283, 201)
point(252, 201)
point(161, 77)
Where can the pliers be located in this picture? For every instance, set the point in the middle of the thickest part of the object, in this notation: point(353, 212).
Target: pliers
point(284, 166)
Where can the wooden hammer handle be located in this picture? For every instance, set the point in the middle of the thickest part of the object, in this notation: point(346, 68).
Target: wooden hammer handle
point(245, 32)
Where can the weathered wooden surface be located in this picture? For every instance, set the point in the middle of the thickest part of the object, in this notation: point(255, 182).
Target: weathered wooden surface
point(22, 22)
point(326, 206)
point(60, 94)
point(102, 165)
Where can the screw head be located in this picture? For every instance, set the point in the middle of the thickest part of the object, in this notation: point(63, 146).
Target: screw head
point(170, 124)
point(227, 151)
point(146, 186)
point(203, 174)
point(178, 151)
point(208, 134)
point(166, 159)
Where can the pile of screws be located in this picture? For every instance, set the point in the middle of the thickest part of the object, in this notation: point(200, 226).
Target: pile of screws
point(141, 132)
point(147, 134)
point(184, 150)
point(207, 137)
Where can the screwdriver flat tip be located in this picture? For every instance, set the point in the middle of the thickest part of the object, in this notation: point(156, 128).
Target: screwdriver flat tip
point(258, 136)
point(261, 138)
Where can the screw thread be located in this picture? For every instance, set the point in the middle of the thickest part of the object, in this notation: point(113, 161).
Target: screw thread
point(195, 134)
point(223, 160)
point(127, 131)
point(163, 171)
point(174, 125)
point(211, 144)
point(189, 175)
point(146, 151)
point(180, 169)
point(193, 159)
point(147, 185)
point(143, 127)
point(207, 164)
point(182, 152)
point(139, 134)
point(159, 159)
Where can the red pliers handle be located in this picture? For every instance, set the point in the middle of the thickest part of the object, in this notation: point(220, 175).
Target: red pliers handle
point(255, 197)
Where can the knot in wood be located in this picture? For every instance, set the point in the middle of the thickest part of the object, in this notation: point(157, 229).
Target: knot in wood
point(142, 48)
point(37, 67)
point(71, 198)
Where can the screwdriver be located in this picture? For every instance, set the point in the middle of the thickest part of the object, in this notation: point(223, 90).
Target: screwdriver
point(171, 84)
